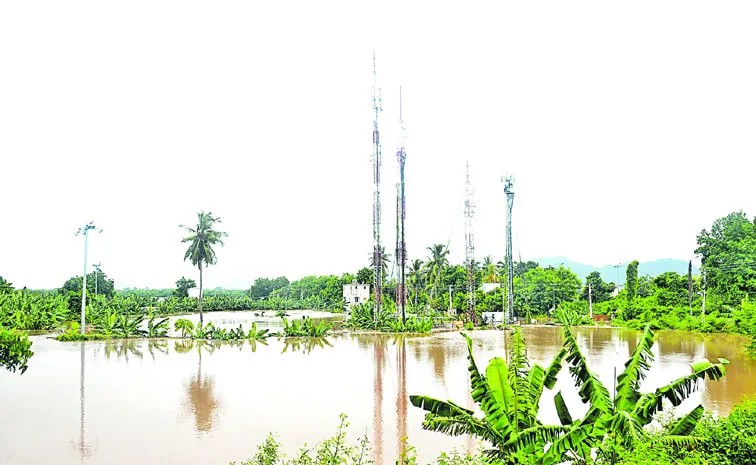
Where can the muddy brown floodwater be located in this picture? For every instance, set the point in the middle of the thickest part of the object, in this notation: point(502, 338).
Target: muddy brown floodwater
point(176, 402)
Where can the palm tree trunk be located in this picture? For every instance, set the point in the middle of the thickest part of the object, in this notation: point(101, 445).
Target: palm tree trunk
point(200, 295)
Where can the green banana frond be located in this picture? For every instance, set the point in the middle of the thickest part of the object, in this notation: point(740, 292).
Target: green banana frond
point(591, 390)
point(573, 440)
point(495, 414)
point(686, 424)
point(680, 442)
point(461, 426)
point(678, 390)
point(538, 435)
point(627, 427)
point(439, 407)
point(518, 372)
point(497, 375)
point(538, 378)
point(628, 382)
point(561, 406)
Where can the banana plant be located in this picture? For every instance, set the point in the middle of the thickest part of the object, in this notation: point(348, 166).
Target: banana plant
point(508, 395)
point(186, 327)
point(615, 421)
point(129, 327)
point(257, 335)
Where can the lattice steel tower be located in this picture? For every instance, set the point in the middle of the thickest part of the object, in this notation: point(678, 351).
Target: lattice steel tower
point(469, 245)
point(401, 213)
point(508, 182)
point(377, 252)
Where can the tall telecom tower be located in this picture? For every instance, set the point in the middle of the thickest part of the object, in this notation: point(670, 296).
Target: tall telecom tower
point(508, 182)
point(401, 213)
point(469, 245)
point(377, 252)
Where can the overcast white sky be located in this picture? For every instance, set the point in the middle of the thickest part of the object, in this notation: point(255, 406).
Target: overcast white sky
point(628, 126)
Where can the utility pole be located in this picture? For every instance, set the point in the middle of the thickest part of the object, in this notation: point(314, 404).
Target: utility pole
point(469, 244)
point(509, 192)
point(85, 231)
point(690, 286)
point(377, 252)
point(703, 304)
point(97, 274)
point(451, 307)
point(401, 247)
point(590, 301)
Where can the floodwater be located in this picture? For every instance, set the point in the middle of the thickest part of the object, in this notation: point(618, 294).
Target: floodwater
point(178, 402)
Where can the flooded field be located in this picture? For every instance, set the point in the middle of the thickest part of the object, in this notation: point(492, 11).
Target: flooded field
point(178, 402)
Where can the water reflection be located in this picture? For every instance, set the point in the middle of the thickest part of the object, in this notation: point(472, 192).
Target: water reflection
point(83, 448)
point(401, 398)
point(304, 344)
point(200, 395)
point(182, 407)
point(123, 349)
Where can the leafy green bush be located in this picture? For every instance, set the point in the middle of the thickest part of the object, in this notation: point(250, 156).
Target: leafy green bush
point(186, 327)
point(305, 328)
point(332, 451)
point(32, 310)
point(14, 350)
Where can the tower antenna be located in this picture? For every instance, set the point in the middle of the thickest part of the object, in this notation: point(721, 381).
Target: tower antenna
point(508, 182)
point(401, 204)
point(469, 244)
point(377, 252)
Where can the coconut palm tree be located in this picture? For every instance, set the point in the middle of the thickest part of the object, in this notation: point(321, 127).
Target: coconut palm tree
point(416, 270)
point(436, 264)
point(385, 261)
point(508, 395)
point(201, 240)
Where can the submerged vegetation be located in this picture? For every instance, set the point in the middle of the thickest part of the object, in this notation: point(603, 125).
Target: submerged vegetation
point(387, 321)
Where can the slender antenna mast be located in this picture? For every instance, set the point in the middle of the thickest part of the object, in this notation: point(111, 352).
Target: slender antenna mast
point(469, 244)
point(509, 191)
point(377, 252)
point(401, 245)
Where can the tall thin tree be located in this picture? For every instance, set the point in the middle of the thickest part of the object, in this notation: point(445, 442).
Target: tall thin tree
point(690, 286)
point(201, 240)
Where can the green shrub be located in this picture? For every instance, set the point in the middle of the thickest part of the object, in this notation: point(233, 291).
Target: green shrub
point(14, 350)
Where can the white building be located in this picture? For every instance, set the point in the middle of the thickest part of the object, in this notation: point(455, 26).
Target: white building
point(356, 294)
point(488, 287)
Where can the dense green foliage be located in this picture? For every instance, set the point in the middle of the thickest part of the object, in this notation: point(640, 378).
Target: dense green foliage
point(5, 286)
point(631, 280)
point(305, 328)
point(31, 310)
point(729, 440)
point(14, 350)
point(388, 320)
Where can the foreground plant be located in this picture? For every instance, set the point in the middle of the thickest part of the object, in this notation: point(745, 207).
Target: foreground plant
point(332, 451)
point(184, 326)
point(508, 395)
point(14, 350)
point(615, 423)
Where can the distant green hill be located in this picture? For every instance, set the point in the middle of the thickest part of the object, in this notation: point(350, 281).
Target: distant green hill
point(609, 272)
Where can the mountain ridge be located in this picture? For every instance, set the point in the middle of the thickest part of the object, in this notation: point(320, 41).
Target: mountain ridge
point(609, 273)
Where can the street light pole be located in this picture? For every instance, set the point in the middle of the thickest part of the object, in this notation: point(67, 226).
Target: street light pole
point(85, 231)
